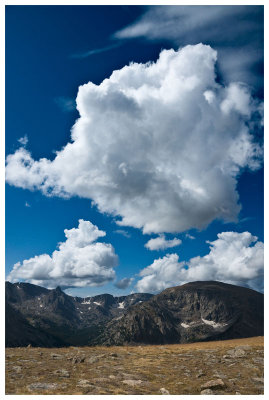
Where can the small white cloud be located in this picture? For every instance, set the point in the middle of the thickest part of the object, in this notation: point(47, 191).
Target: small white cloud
point(124, 283)
point(188, 236)
point(27, 204)
point(80, 261)
point(23, 140)
point(236, 258)
point(123, 233)
point(160, 243)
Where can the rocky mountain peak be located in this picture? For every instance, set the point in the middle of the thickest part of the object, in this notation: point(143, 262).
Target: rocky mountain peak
point(196, 311)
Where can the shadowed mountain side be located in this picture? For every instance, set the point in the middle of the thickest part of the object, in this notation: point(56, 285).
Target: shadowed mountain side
point(21, 333)
point(196, 311)
point(72, 320)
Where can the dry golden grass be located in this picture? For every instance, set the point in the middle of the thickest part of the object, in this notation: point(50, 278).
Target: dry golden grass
point(180, 369)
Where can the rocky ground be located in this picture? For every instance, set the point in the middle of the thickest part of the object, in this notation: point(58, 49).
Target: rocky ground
point(224, 367)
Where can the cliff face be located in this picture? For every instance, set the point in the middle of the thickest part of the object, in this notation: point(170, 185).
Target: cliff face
point(196, 311)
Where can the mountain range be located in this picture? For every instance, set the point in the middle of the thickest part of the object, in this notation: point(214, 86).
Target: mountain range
point(196, 311)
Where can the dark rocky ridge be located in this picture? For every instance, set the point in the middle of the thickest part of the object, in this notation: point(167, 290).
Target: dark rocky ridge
point(63, 319)
point(197, 311)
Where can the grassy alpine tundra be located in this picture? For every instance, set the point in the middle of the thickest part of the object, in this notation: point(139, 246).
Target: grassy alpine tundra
point(219, 367)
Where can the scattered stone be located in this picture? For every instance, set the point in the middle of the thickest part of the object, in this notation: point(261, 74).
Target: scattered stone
point(258, 360)
point(17, 368)
point(99, 371)
point(91, 360)
point(232, 380)
point(213, 384)
point(29, 346)
point(164, 391)
point(127, 375)
point(100, 379)
point(42, 386)
point(102, 355)
point(62, 373)
point(78, 359)
point(236, 352)
point(207, 391)
point(132, 382)
point(257, 379)
point(84, 383)
point(55, 356)
point(219, 375)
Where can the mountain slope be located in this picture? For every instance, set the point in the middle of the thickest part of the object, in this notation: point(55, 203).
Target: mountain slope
point(192, 312)
point(71, 320)
point(21, 333)
point(196, 311)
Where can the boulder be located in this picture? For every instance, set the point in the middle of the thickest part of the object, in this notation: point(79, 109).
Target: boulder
point(84, 383)
point(236, 352)
point(42, 386)
point(132, 382)
point(55, 356)
point(213, 384)
point(62, 373)
point(164, 391)
point(78, 359)
point(207, 391)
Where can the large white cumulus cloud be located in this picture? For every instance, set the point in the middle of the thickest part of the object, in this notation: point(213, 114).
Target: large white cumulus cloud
point(159, 145)
point(236, 258)
point(79, 261)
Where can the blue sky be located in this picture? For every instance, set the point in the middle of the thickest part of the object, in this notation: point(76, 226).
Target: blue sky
point(50, 53)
